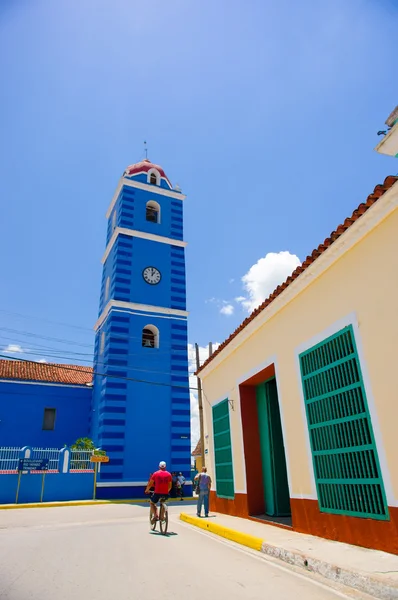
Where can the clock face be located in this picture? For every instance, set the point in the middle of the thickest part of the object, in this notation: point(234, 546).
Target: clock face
point(151, 275)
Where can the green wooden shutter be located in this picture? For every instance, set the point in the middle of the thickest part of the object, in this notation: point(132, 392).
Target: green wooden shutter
point(344, 453)
point(223, 451)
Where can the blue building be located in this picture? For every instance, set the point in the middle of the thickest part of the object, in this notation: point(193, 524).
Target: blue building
point(136, 405)
point(43, 405)
point(140, 407)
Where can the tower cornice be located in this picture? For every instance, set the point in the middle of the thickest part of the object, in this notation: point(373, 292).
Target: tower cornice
point(152, 237)
point(141, 309)
point(124, 181)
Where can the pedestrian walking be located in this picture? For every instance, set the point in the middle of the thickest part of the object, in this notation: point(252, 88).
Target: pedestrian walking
point(203, 485)
point(181, 481)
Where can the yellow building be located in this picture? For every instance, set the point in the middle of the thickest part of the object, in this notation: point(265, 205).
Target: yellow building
point(301, 410)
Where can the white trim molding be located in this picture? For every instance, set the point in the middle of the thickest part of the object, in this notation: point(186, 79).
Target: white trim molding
point(53, 384)
point(389, 143)
point(155, 172)
point(140, 234)
point(375, 215)
point(349, 319)
point(143, 310)
point(123, 181)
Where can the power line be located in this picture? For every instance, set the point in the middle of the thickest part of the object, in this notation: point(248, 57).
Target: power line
point(76, 369)
point(72, 355)
point(111, 334)
point(103, 364)
point(63, 340)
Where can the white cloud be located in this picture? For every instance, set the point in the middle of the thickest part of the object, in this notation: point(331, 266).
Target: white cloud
point(42, 360)
point(240, 299)
point(265, 275)
point(13, 349)
point(231, 280)
point(227, 309)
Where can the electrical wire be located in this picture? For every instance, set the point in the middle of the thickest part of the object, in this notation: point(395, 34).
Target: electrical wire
point(96, 373)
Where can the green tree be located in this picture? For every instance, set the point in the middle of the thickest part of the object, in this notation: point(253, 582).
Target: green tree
point(85, 444)
point(82, 445)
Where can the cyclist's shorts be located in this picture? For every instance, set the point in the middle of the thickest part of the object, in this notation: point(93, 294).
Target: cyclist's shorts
point(156, 497)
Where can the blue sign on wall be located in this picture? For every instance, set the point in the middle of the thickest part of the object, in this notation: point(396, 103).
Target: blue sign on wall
point(33, 464)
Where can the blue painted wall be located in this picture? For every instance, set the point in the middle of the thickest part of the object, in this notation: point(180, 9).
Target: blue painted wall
point(22, 410)
point(141, 403)
point(57, 487)
point(124, 267)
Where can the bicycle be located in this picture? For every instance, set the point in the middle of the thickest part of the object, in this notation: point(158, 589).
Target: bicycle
point(163, 517)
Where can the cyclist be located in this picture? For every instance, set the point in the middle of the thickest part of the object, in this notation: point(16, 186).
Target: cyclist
point(161, 481)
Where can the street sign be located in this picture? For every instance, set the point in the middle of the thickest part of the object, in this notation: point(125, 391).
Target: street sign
point(99, 459)
point(33, 464)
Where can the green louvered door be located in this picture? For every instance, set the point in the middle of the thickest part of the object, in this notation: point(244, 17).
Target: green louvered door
point(276, 488)
point(223, 451)
point(346, 465)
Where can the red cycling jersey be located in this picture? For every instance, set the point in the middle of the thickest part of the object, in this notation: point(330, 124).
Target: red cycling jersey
point(161, 479)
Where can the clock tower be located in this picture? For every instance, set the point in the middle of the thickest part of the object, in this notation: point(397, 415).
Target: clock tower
point(141, 403)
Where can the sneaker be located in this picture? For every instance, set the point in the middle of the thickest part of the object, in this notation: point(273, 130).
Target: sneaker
point(198, 515)
point(206, 516)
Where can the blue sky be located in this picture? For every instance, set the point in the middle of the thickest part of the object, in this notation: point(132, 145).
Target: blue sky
point(264, 113)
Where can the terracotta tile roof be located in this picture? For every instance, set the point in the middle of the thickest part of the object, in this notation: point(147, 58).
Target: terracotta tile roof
point(198, 450)
point(49, 372)
point(362, 208)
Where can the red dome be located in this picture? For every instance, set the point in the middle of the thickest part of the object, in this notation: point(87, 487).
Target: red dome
point(143, 167)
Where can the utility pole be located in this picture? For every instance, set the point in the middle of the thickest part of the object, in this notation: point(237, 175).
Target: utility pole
point(200, 402)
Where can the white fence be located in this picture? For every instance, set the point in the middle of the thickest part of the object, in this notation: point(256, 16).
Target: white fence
point(51, 453)
point(9, 459)
point(79, 459)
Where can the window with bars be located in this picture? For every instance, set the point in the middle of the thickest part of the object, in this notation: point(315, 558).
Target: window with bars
point(223, 451)
point(344, 453)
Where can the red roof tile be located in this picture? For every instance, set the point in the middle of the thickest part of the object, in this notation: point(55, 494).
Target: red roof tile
point(198, 449)
point(362, 208)
point(49, 372)
point(145, 166)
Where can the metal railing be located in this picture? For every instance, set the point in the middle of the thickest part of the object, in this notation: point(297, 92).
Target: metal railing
point(80, 460)
point(51, 453)
point(9, 458)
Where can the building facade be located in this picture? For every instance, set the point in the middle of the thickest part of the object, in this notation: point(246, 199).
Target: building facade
point(300, 424)
point(43, 405)
point(141, 407)
point(135, 403)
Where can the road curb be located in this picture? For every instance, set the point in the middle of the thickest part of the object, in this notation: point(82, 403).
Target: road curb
point(76, 503)
point(230, 534)
point(369, 584)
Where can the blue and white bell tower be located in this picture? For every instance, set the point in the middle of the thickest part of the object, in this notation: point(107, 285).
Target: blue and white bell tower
point(141, 402)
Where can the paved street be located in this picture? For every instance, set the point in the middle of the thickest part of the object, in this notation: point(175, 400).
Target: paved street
point(104, 552)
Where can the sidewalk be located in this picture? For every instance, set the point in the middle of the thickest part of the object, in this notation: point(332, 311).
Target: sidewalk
point(369, 571)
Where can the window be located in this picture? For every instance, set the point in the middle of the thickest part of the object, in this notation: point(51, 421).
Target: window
point(223, 451)
point(153, 177)
point(114, 220)
point(150, 337)
point(107, 286)
point(346, 465)
point(102, 342)
point(153, 212)
point(49, 419)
